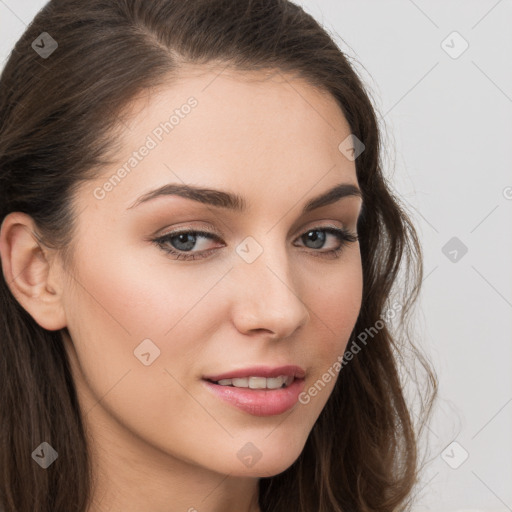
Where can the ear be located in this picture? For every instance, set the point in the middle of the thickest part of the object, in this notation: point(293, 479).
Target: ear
point(31, 271)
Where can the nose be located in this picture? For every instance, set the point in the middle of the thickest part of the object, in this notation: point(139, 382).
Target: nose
point(267, 296)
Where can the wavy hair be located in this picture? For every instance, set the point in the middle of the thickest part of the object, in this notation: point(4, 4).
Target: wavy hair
point(58, 120)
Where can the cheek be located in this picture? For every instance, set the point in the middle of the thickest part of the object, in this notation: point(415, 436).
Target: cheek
point(134, 295)
point(150, 319)
point(336, 303)
point(114, 309)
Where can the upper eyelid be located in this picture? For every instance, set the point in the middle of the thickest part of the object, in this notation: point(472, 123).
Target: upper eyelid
point(213, 236)
point(202, 231)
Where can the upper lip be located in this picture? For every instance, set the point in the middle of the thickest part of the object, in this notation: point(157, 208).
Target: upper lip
point(260, 371)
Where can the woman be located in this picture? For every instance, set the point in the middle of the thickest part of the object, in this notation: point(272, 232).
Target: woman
point(199, 255)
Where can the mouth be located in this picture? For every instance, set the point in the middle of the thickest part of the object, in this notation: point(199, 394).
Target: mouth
point(259, 377)
point(260, 391)
point(255, 382)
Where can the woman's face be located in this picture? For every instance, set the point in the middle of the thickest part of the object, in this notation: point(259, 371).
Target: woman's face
point(148, 327)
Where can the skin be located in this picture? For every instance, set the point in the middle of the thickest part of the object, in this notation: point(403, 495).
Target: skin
point(160, 441)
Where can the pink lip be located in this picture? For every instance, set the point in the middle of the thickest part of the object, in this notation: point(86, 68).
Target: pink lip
point(260, 371)
point(258, 402)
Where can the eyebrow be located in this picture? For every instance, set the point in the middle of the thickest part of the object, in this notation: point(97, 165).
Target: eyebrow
point(237, 203)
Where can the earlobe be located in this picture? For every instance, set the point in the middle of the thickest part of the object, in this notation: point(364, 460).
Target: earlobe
point(28, 272)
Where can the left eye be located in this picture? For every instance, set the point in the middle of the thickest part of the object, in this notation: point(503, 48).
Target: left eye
point(181, 243)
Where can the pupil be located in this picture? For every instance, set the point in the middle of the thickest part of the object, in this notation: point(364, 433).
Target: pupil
point(318, 240)
point(182, 238)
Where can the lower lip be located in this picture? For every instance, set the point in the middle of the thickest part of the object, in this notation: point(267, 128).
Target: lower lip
point(259, 402)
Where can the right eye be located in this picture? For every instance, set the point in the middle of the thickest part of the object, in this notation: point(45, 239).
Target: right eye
point(187, 240)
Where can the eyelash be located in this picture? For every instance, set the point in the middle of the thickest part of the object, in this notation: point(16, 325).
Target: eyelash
point(344, 236)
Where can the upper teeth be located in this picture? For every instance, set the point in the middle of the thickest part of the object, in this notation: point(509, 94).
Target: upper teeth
point(258, 382)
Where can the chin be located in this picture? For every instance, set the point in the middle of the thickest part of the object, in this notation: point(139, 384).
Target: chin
point(275, 467)
point(269, 461)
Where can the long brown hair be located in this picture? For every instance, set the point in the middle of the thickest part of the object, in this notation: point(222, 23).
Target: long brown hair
point(58, 117)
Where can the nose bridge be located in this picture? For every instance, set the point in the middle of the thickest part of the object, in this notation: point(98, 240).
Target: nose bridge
point(267, 293)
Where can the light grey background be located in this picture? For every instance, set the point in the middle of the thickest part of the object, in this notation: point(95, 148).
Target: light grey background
point(448, 128)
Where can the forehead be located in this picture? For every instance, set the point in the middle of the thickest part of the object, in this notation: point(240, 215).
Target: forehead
point(213, 126)
point(233, 105)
